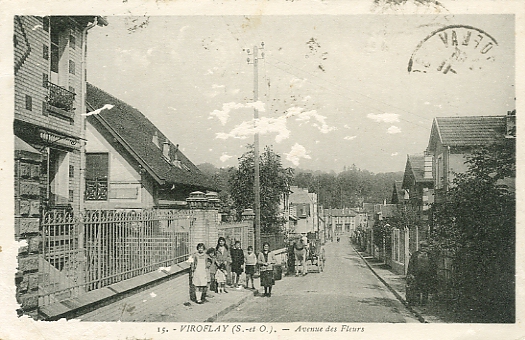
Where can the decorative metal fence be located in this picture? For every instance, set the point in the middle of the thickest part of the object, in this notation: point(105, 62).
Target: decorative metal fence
point(92, 250)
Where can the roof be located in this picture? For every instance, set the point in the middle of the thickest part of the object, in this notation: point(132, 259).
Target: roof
point(388, 210)
point(368, 207)
point(341, 212)
point(299, 195)
point(467, 131)
point(135, 132)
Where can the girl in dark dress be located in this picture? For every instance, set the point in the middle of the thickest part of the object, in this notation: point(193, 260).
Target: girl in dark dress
point(237, 262)
point(266, 261)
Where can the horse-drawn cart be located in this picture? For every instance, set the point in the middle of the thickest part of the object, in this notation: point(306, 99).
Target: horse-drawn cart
point(315, 258)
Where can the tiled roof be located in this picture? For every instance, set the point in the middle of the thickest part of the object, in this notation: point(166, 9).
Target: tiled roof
point(469, 130)
point(417, 164)
point(136, 132)
point(341, 212)
point(299, 195)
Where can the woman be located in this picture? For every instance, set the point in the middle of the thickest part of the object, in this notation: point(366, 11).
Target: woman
point(199, 268)
point(266, 261)
point(224, 257)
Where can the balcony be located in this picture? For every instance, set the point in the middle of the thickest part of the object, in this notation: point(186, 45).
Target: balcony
point(96, 189)
point(60, 101)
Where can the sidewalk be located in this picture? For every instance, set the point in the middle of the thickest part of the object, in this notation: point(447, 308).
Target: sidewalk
point(169, 302)
point(433, 312)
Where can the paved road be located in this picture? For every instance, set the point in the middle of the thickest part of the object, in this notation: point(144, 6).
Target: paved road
point(347, 291)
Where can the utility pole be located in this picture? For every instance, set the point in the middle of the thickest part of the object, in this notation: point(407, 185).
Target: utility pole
point(256, 182)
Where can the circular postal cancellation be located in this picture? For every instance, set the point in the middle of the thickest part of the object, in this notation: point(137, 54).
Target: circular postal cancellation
point(453, 49)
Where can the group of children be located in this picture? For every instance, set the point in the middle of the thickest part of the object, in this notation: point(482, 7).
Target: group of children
point(218, 266)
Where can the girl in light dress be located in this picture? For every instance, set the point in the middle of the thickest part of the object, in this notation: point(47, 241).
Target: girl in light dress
point(199, 269)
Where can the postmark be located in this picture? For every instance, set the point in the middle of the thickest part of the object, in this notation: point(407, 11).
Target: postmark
point(453, 49)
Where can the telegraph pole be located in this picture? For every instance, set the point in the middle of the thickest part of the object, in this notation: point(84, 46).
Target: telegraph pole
point(256, 182)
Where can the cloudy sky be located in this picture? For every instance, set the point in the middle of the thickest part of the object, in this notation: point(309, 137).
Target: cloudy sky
point(333, 90)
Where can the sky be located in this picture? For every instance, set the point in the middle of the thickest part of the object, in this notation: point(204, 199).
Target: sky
point(333, 90)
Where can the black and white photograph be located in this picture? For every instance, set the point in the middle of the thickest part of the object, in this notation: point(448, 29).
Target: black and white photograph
point(275, 170)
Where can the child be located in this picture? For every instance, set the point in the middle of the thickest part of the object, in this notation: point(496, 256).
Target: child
point(212, 259)
point(250, 260)
point(199, 269)
point(220, 276)
point(237, 256)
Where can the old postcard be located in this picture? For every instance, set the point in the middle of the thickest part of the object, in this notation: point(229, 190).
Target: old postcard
point(268, 169)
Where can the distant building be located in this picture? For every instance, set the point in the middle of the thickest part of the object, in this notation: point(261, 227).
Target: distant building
point(340, 221)
point(304, 204)
point(418, 184)
point(130, 163)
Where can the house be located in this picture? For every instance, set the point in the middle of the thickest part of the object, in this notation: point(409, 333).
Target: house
point(130, 163)
point(49, 99)
point(418, 184)
point(341, 221)
point(453, 138)
point(398, 194)
point(49, 86)
point(304, 204)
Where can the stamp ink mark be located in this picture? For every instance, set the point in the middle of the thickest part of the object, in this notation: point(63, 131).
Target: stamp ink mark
point(451, 48)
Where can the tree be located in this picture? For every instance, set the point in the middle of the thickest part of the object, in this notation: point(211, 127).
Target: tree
point(476, 222)
point(274, 183)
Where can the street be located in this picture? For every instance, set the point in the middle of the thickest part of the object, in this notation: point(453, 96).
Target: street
point(347, 291)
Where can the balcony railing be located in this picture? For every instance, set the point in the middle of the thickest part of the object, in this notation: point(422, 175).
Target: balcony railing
point(96, 189)
point(59, 97)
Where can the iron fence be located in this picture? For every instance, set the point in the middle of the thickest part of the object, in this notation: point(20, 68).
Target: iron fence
point(89, 251)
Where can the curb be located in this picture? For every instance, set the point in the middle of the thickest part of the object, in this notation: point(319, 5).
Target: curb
point(231, 307)
point(395, 292)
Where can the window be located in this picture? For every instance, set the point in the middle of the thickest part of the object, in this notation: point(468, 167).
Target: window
point(55, 49)
point(29, 103)
point(45, 79)
point(58, 179)
point(71, 171)
point(71, 67)
point(97, 170)
point(72, 42)
point(45, 52)
point(45, 24)
point(440, 176)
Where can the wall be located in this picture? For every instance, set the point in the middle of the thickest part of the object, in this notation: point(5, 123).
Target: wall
point(32, 55)
point(27, 227)
point(122, 175)
point(456, 164)
point(32, 68)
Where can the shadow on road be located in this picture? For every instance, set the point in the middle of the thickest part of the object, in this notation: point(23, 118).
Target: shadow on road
point(377, 301)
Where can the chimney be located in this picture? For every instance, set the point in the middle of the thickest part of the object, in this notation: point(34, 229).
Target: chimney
point(155, 139)
point(511, 124)
point(166, 150)
point(428, 167)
